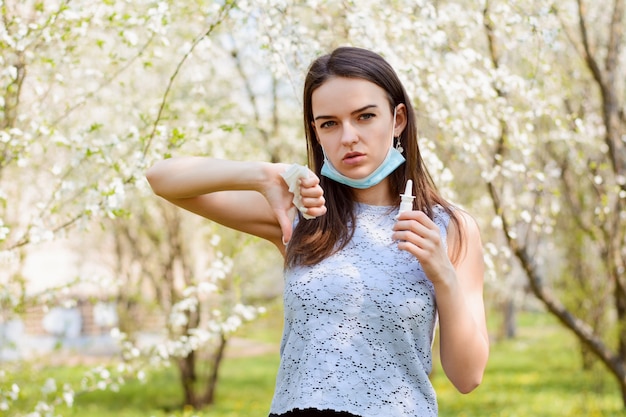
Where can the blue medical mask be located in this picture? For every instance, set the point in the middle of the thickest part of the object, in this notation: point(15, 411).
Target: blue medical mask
point(391, 162)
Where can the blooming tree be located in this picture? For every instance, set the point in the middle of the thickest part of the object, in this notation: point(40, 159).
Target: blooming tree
point(567, 226)
point(88, 100)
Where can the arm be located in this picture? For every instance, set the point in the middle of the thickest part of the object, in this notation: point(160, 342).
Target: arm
point(464, 342)
point(247, 196)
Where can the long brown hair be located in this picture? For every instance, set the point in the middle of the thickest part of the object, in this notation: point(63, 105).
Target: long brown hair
point(315, 240)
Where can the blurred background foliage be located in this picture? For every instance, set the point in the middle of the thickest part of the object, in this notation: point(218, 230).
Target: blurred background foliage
point(522, 122)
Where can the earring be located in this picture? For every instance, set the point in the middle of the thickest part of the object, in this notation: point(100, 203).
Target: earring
point(398, 146)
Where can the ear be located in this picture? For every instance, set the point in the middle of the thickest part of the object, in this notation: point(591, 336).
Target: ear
point(401, 120)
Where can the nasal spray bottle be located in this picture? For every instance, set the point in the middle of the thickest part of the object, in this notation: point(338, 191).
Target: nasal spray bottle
point(406, 202)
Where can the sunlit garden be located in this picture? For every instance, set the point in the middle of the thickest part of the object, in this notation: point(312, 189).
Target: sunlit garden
point(536, 374)
point(113, 302)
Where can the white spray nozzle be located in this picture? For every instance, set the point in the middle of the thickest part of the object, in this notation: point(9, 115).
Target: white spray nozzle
point(406, 199)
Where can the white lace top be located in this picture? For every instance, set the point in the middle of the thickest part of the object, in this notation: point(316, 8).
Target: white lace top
point(359, 328)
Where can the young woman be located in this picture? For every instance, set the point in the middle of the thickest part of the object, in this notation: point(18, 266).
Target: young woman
point(364, 285)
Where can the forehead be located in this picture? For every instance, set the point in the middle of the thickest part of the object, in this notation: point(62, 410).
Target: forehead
point(339, 94)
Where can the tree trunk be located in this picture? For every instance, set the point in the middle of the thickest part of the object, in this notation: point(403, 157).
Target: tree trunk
point(621, 320)
point(209, 394)
point(587, 356)
point(509, 325)
point(187, 369)
point(195, 395)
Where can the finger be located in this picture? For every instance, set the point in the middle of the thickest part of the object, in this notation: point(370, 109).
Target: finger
point(417, 231)
point(416, 215)
point(285, 221)
point(313, 191)
point(310, 181)
point(412, 226)
point(421, 246)
point(416, 221)
point(316, 211)
point(423, 256)
point(407, 236)
point(314, 201)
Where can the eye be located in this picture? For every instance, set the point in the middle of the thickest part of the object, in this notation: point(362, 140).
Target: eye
point(327, 124)
point(367, 116)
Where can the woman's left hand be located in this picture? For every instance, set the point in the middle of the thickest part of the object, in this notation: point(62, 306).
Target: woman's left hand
point(421, 237)
point(464, 341)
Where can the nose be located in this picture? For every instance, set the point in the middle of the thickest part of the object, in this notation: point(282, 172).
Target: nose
point(349, 134)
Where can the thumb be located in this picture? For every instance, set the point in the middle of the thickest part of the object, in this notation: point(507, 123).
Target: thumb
point(285, 221)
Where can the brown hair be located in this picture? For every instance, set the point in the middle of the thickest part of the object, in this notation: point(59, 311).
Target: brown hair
point(315, 240)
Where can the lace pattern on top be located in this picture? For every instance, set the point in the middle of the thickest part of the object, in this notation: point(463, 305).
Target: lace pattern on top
point(359, 327)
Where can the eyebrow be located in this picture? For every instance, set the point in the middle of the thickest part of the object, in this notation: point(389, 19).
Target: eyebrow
point(369, 106)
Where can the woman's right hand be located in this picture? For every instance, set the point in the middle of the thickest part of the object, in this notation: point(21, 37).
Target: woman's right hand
point(279, 197)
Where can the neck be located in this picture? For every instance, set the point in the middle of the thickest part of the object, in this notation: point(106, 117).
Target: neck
point(378, 195)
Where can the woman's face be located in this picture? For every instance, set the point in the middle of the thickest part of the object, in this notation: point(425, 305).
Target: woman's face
point(354, 125)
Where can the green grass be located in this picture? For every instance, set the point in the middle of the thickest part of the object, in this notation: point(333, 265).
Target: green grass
point(538, 374)
point(245, 390)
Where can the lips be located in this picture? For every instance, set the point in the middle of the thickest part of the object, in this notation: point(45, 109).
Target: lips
point(353, 158)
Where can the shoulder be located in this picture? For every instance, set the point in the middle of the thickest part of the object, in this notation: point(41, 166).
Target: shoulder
point(463, 221)
point(466, 222)
point(464, 236)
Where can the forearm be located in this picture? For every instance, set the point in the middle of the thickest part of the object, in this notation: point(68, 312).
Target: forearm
point(464, 344)
point(187, 177)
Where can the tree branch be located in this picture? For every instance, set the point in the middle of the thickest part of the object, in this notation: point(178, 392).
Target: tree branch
point(225, 8)
point(588, 53)
point(254, 102)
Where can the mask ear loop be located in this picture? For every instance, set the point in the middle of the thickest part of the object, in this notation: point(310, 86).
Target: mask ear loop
point(324, 153)
point(396, 139)
point(326, 160)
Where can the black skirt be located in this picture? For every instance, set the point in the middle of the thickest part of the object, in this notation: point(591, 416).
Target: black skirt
point(312, 412)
